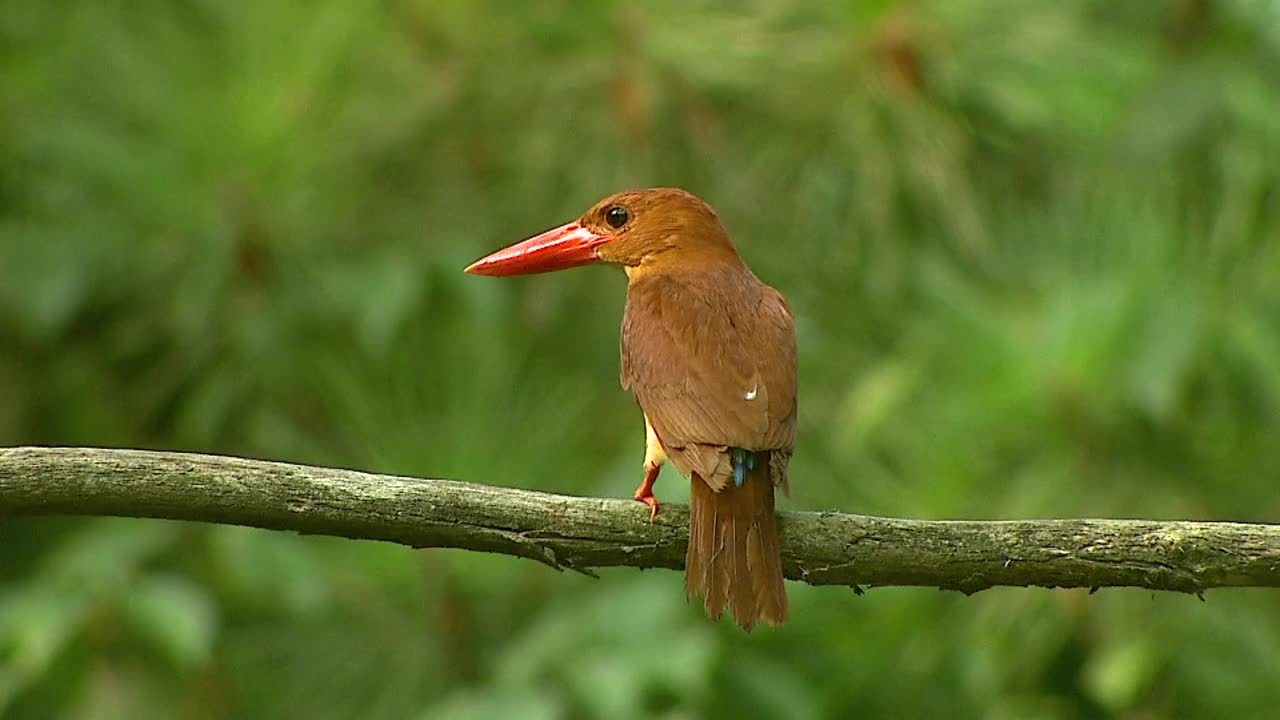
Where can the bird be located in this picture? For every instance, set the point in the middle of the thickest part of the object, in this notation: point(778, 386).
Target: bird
point(709, 352)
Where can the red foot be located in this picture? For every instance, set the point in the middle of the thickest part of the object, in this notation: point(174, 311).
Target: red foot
point(644, 493)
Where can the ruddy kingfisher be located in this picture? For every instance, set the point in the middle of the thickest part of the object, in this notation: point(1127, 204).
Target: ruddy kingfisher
point(709, 352)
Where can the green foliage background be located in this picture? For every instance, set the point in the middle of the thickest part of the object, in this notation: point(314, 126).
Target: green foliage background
point(1032, 249)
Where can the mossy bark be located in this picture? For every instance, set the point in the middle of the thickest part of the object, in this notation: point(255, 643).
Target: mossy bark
point(565, 532)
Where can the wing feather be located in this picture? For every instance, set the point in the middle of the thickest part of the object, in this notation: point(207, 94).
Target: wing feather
point(711, 358)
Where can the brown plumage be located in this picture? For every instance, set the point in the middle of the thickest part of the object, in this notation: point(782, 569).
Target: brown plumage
point(733, 557)
point(709, 352)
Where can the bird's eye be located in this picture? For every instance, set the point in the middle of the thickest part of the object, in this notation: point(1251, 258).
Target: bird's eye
point(617, 216)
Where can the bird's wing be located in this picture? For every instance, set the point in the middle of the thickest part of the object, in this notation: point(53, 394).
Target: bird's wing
point(712, 363)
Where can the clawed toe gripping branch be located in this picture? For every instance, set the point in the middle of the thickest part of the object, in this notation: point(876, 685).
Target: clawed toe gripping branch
point(578, 533)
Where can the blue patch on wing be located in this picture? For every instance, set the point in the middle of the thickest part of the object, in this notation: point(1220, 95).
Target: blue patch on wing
point(743, 461)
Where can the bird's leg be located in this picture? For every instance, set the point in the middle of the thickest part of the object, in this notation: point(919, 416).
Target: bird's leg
point(654, 456)
point(644, 493)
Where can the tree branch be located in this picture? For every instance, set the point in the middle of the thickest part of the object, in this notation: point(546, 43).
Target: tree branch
point(820, 548)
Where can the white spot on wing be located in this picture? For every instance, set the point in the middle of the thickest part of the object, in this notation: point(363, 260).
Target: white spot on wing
point(752, 394)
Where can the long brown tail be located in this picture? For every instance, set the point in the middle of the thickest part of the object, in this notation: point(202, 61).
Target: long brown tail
point(733, 556)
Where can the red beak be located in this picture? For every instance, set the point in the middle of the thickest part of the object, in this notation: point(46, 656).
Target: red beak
point(556, 249)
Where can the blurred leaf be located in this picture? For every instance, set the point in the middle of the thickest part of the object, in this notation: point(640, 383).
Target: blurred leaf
point(176, 616)
point(1164, 351)
point(603, 665)
point(263, 568)
point(36, 624)
point(497, 704)
point(1120, 673)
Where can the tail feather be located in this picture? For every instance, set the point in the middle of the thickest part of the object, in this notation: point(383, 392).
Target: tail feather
point(733, 558)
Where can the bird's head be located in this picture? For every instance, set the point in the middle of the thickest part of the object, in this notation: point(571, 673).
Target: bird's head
point(638, 229)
